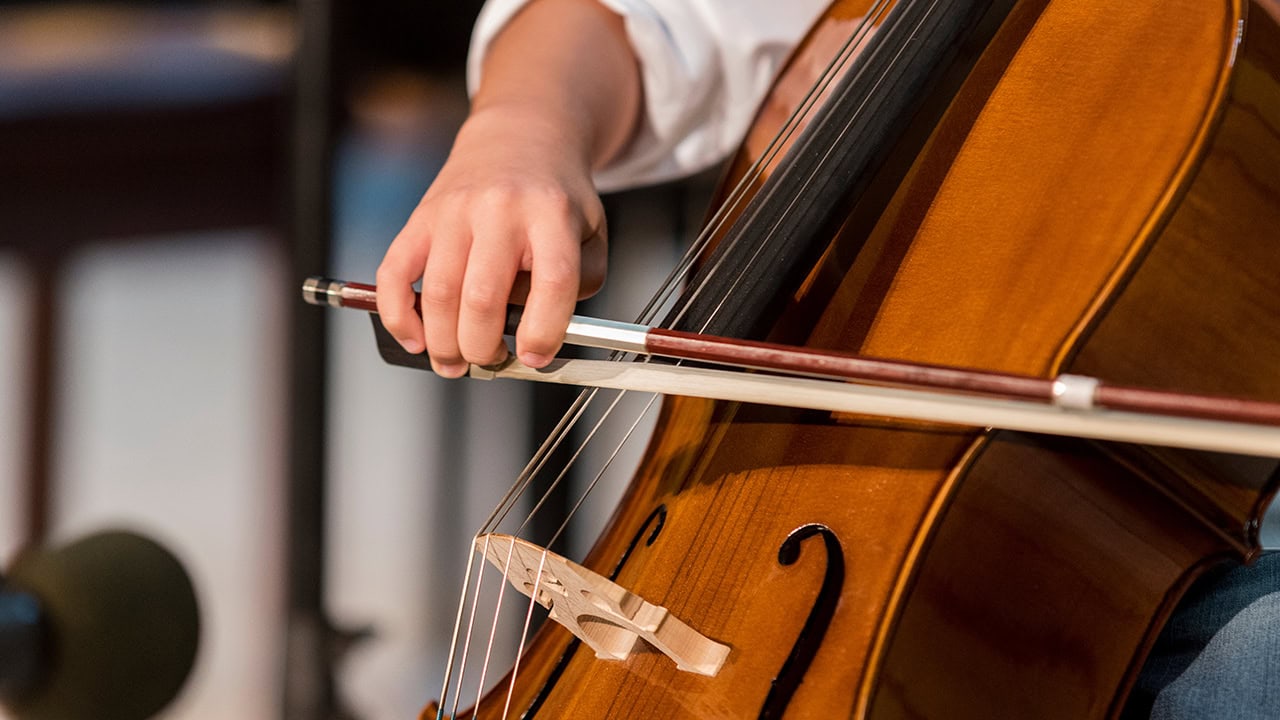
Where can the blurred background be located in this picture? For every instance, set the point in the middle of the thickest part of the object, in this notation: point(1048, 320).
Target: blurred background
point(169, 172)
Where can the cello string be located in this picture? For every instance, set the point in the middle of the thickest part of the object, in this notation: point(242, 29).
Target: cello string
point(540, 458)
point(653, 397)
point(668, 288)
point(679, 273)
point(462, 671)
point(507, 564)
point(756, 170)
point(515, 670)
point(806, 182)
point(559, 531)
point(568, 466)
point(717, 222)
point(493, 627)
point(673, 281)
point(861, 109)
point(524, 635)
point(523, 479)
point(735, 282)
point(532, 469)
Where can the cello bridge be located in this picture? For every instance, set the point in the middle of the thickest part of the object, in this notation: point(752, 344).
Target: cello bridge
point(610, 619)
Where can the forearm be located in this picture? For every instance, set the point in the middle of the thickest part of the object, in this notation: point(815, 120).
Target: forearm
point(513, 215)
point(562, 71)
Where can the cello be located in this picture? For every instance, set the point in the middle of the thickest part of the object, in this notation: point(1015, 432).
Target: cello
point(1034, 187)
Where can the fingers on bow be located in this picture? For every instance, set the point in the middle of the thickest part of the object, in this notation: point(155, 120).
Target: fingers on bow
point(467, 280)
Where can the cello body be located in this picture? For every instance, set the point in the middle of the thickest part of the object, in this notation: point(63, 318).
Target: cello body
point(1101, 195)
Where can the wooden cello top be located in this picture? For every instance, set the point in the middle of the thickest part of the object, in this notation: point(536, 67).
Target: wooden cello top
point(1100, 197)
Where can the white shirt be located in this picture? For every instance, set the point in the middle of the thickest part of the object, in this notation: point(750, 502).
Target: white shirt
point(706, 65)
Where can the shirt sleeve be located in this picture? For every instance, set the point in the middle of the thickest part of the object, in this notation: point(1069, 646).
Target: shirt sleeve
point(705, 66)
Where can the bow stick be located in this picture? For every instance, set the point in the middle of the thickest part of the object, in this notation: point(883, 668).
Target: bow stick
point(1070, 405)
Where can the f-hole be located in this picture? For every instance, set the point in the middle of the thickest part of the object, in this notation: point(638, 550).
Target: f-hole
point(784, 686)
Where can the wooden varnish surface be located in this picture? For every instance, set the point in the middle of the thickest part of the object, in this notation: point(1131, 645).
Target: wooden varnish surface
point(1075, 144)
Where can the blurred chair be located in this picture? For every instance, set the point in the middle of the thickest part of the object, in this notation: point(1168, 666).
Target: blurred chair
point(130, 121)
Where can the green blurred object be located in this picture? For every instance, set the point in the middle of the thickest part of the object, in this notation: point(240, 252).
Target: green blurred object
point(123, 623)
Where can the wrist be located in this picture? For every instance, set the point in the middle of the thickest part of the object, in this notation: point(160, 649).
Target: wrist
point(534, 72)
point(534, 125)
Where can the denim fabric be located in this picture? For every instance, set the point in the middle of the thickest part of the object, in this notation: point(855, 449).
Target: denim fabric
point(1270, 532)
point(1219, 656)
